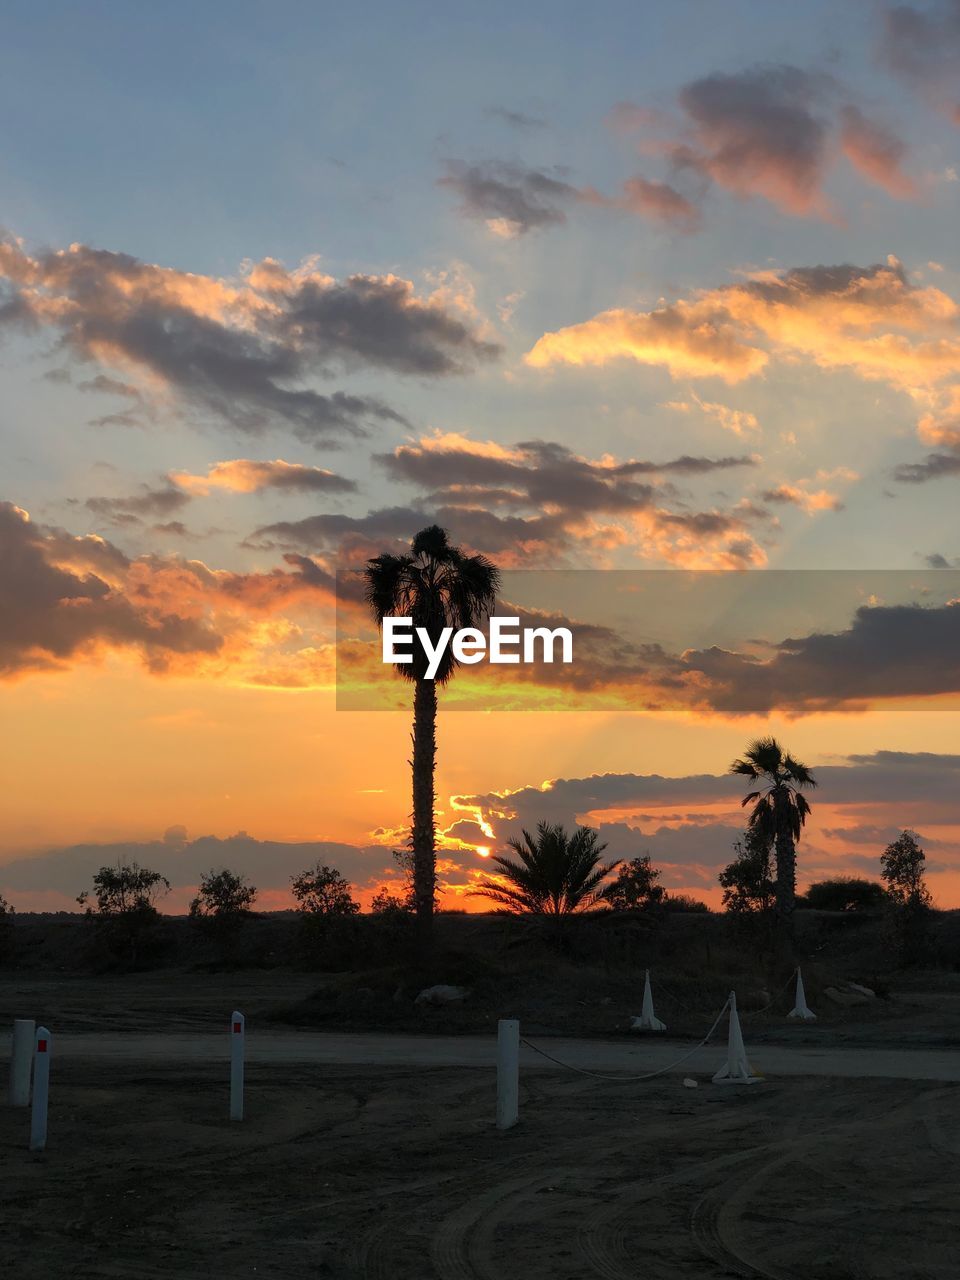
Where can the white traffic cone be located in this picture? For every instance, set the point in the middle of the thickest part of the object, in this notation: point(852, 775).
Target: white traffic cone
point(737, 1069)
point(648, 1021)
point(800, 1008)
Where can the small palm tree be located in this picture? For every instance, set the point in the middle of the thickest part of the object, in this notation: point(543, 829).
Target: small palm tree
point(557, 873)
point(778, 815)
point(437, 585)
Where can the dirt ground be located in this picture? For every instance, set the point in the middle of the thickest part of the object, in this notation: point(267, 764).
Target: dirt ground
point(399, 1174)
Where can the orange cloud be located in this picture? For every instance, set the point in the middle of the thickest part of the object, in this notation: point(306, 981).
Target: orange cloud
point(243, 475)
point(873, 321)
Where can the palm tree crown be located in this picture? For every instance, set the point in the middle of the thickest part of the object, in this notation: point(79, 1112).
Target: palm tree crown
point(437, 585)
point(556, 875)
point(781, 802)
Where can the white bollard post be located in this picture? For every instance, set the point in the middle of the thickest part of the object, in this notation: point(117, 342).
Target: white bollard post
point(648, 1020)
point(508, 1072)
point(21, 1061)
point(41, 1089)
point(238, 1036)
point(737, 1069)
point(800, 1008)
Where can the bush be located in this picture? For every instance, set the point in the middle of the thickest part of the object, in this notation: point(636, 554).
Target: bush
point(6, 930)
point(635, 886)
point(125, 915)
point(844, 893)
point(221, 908)
point(684, 902)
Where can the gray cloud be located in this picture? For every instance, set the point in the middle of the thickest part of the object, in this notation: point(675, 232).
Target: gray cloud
point(516, 119)
point(239, 351)
point(56, 605)
point(529, 503)
point(158, 502)
point(268, 864)
point(923, 45)
point(934, 467)
point(514, 198)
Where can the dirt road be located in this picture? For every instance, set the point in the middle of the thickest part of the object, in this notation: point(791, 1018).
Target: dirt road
point(628, 1056)
point(391, 1172)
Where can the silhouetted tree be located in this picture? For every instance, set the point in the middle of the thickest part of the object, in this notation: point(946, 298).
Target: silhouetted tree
point(556, 873)
point(779, 813)
point(684, 902)
point(635, 886)
point(844, 893)
point(902, 866)
point(222, 906)
point(747, 882)
point(902, 869)
point(223, 895)
point(322, 891)
point(126, 912)
point(6, 928)
point(437, 585)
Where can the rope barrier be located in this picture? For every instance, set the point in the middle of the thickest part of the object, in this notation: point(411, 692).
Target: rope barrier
point(753, 1013)
point(621, 1079)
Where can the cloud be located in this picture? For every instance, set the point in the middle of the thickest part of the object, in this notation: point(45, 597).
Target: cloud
point(162, 501)
point(877, 153)
point(739, 421)
point(923, 46)
point(771, 132)
point(69, 599)
point(267, 864)
point(244, 475)
point(513, 200)
point(941, 426)
point(516, 119)
point(510, 199)
point(760, 132)
point(538, 499)
point(692, 820)
point(934, 467)
point(872, 321)
point(239, 350)
point(55, 609)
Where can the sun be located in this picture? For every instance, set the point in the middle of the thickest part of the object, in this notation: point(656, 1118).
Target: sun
point(483, 850)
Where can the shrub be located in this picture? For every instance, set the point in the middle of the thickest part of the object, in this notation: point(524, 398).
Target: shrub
point(635, 886)
point(125, 914)
point(844, 893)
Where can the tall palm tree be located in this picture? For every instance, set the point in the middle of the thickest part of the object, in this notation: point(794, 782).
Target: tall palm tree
point(437, 585)
point(556, 875)
point(778, 815)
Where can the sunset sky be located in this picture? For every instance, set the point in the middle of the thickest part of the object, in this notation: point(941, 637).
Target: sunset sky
point(280, 285)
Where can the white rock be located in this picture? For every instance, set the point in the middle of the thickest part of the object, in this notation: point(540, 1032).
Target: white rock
point(864, 991)
point(441, 994)
point(690, 1084)
point(846, 997)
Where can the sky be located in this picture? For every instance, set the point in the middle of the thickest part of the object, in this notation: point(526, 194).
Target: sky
point(667, 289)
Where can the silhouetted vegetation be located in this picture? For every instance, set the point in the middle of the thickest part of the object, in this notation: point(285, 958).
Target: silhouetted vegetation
point(555, 875)
point(635, 888)
point(902, 866)
point(683, 902)
point(844, 893)
point(224, 903)
point(329, 930)
point(778, 815)
point(6, 930)
point(747, 882)
point(125, 914)
point(437, 585)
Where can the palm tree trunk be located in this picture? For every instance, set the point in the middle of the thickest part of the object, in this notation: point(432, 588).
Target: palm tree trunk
point(786, 884)
point(423, 835)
